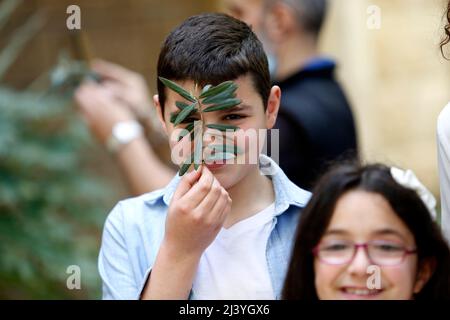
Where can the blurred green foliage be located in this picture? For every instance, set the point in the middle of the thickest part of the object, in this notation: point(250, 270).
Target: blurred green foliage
point(52, 200)
point(52, 206)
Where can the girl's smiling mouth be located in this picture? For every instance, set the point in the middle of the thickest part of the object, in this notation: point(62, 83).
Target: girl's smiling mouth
point(360, 292)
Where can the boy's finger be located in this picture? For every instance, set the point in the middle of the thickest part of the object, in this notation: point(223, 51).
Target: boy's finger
point(211, 198)
point(225, 210)
point(199, 191)
point(187, 182)
point(221, 208)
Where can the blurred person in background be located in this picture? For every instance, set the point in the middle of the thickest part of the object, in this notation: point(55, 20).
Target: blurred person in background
point(315, 119)
point(443, 141)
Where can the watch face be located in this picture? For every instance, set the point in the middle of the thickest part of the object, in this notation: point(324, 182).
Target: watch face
point(120, 132)
point(124, 132)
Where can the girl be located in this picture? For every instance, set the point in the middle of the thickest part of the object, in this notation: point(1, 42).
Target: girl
point(366, 222)
point(443, 143)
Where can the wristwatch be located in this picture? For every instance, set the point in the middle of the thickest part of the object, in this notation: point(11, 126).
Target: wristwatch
point(123, 133)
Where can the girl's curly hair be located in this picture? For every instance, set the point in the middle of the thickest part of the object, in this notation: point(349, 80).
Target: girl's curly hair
point(446, 39)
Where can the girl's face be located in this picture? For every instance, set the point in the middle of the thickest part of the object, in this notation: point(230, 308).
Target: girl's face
point(362, 217)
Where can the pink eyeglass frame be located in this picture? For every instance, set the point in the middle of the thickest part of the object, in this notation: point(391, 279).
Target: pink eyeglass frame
point(365, 246)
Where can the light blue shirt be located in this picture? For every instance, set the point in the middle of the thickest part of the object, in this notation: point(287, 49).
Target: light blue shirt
point(134, 230)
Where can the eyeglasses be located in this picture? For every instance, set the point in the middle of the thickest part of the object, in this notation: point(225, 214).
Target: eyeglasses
point(382, 253)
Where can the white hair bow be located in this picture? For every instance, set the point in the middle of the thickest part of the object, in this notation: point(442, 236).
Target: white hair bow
point(408, 179)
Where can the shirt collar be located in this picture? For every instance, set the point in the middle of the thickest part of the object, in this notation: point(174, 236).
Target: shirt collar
point(170, 189)
point(286, 192)
point(315, 68)
point(319, 63)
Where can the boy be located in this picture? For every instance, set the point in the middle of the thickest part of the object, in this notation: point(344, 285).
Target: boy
point(223, 231)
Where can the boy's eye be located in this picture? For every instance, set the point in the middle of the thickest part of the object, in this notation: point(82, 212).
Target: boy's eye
point(233, 117)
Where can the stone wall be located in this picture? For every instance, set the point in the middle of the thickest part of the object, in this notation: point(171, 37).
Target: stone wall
point(395, 76)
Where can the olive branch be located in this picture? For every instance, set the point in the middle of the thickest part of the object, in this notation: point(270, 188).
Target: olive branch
point(212, 98)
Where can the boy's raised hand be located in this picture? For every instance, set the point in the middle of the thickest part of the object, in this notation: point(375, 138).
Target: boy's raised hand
point(197, 212)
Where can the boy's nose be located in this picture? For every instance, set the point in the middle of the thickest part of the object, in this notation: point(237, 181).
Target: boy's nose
point(210, 118)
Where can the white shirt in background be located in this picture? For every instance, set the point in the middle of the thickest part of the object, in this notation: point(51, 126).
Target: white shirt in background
point(443, 137)
point(234, 266)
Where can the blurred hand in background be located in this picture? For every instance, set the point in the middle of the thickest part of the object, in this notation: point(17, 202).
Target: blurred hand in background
point(127, 86)
point(101, 109)
point(122, 97)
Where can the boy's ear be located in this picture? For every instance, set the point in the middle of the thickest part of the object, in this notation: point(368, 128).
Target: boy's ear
point(273, 105)
point(426, 270)
point(159, 112)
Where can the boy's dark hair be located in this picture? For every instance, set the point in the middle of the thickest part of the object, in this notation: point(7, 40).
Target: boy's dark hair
point(210, 49)
point(405, 202)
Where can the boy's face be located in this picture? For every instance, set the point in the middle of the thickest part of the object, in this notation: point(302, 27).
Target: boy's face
point(249, 116)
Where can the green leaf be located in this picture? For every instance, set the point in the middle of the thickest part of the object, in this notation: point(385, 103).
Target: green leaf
point(206, 88)
point(175, 87)
point(186, 165)
point(226, 104)
point(225, 148)
point(198, 147)
point(184, 168)
point(189, 128)
point(184, 114)
point(224, 95)
point(181, 105)
point(173, 117)
point(217, 89)
point(222, 127)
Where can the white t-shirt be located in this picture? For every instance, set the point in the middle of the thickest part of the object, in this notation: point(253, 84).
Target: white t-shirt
point(234, 266)
point(443, 136)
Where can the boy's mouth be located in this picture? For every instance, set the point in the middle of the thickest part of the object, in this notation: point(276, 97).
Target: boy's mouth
point(215, 165)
